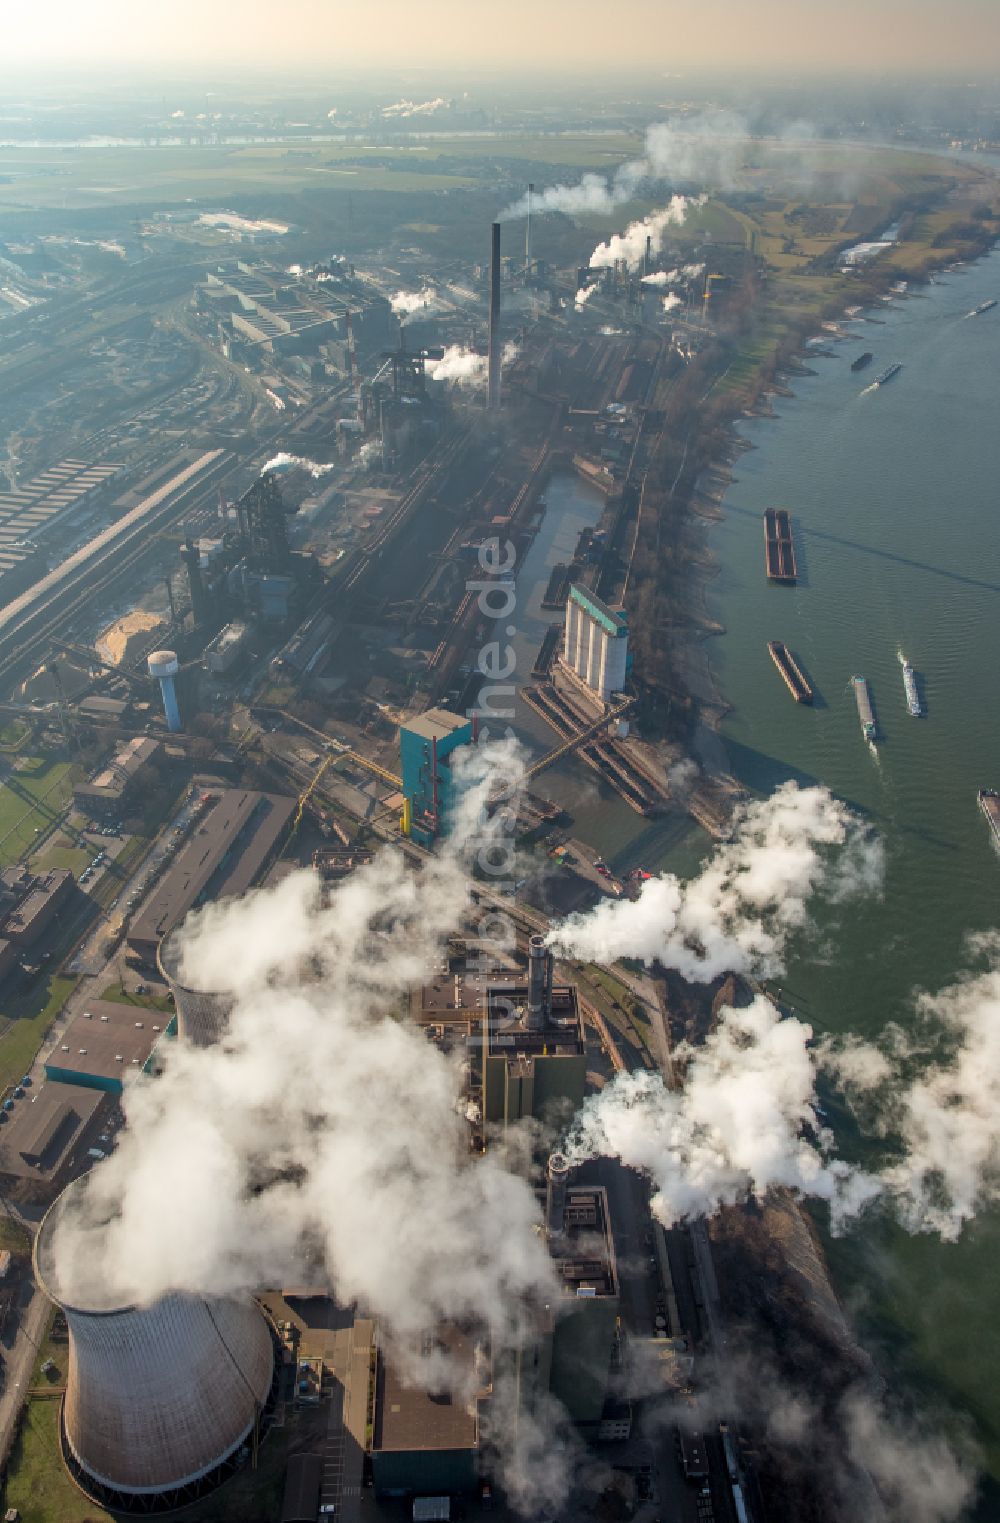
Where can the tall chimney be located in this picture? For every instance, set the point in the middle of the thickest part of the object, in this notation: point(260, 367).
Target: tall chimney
point(527, 235)
point(494, 362)
point(649, 253)
point(540, 964)
point(557, 1183)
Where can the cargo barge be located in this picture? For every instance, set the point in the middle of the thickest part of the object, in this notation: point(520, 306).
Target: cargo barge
point(863, 698)
point(910, 687)
point(863, 360)
point(546, 651)
point(989, 803)
point(795, 679)
point(887, 374)
point(984, 306)
point(779, 552)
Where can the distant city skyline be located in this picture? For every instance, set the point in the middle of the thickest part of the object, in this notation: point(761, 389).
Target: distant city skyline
point(776, 36)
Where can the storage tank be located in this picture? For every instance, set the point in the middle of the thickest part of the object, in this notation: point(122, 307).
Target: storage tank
point(162, 1401)
point(202, 1014)
point(164, 666)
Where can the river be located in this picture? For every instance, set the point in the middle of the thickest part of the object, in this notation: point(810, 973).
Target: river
point(892, 494)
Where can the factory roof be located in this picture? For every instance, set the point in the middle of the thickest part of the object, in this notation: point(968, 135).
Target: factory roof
point(227, 852)
point(609, 619)
point(125, 764)
point(408, 1418)
point(584, 1253)
point(435, 724)
point(510, 1036)
point(45, 1126)
point(107, 1040)
point(24, 922)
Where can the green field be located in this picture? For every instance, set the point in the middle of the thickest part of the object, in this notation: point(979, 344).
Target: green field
point(32, 798)
point(26, 1018)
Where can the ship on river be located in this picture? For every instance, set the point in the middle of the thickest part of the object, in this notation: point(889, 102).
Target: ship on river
point(984, 306)
point(863, 360)
point(779, 552)
point(794, 677)
point(887, 374)
point(913, 703)
point(863, 699)
point(989, 803)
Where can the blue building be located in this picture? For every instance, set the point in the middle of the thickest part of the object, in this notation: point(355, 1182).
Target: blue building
point(425, 744)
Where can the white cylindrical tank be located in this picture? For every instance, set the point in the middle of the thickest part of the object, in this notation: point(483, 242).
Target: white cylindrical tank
point(202, 1014)
point(160, 1399)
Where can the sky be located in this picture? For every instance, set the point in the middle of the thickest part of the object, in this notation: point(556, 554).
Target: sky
point(771, 35)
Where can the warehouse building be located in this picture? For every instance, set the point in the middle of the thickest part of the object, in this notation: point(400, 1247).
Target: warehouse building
point(105, 1042)
point(48, 1131)
point(426, 1443)
point(233, 844)
point(595, 643)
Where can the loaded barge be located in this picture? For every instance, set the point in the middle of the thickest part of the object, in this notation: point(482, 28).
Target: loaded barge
point(989, 803)
point(887, 374)
point(910, 687)
point(779, 552)
point(863, 360)
point(790, 670)
point(863, 698)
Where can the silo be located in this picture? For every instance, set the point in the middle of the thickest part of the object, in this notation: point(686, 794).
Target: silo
point(202, 1014)
point(162, 1401)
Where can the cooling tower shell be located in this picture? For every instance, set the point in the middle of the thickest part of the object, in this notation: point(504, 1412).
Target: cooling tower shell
point(202, 1014)
point(160, 1399)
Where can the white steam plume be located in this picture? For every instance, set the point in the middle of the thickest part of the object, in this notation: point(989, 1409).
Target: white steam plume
point(691, 271)
point(631, 245)
point(323, 1136)
point(737, 914)
point(405, 108)
point(936, 1089)
point(584, 294)
point(405, 303)
point(735, 1129)
point(671, 301)
point(286, 462)
point(658, 278)
point(464, 367)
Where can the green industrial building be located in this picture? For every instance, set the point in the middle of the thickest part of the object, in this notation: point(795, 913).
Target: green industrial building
point(426, 1443)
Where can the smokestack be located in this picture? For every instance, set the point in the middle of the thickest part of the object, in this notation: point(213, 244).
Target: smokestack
point(540, 967)
point(494, 361)
point(649, 254)
point(557, 1183)
point(527, 235)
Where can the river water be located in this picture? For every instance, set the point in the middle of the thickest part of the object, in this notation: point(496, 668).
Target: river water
point(893, 498)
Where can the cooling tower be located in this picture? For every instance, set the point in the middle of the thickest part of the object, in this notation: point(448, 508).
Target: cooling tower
point(161, 1400)
point(202, 1014)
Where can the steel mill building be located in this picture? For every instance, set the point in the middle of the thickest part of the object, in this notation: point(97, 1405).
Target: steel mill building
point(162, 1401)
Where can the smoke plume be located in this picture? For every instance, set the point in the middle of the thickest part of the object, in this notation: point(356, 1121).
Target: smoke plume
point(286, 462)
point(406, 303)
point(745, 1120)
point(464, 367)
point(736, 915)
point(324, 1137)
point(584, 294)
point(406, 108)
point(659, 278)
point(631, 245)
point(671, 301)
point(935, 1090)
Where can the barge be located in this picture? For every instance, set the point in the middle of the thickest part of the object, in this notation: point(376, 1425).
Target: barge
point(794, 677)
point(984, 306)
point(863, 360)
point(989, 803)
point(910, 687)
point(863, 698)
point(779, 552)
point(887, 374)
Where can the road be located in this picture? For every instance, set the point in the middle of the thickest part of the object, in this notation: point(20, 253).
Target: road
point(19, 1362)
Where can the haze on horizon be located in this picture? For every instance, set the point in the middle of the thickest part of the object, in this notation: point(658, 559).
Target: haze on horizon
point(771, 36)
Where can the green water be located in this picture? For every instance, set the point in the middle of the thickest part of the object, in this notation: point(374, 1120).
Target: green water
point(893, 496)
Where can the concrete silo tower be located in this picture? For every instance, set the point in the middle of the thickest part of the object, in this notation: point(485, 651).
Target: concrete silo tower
point(202, 1014)
point(164, 666)
point(162, 1401)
